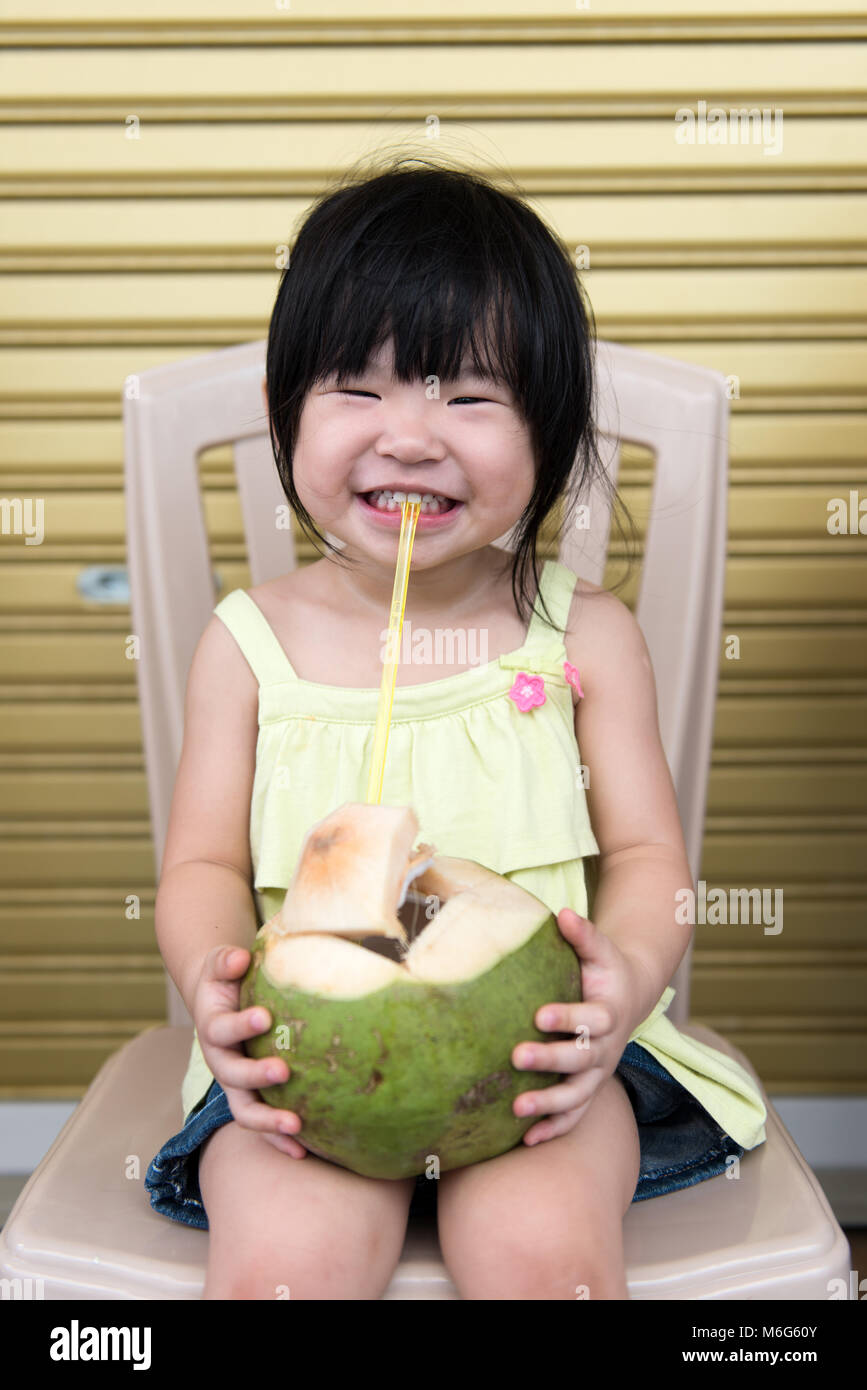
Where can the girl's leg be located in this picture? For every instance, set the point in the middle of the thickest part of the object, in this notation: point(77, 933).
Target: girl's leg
point(545, 1221)
point(282, 1227)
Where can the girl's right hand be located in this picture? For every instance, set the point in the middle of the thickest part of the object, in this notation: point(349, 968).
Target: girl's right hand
point(221, 1030)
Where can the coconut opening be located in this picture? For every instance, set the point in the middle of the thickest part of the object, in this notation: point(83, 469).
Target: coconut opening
point(413, 917)
point(470, 931)
point(365, 909)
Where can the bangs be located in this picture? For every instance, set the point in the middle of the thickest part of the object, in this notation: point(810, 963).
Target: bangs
point(444, 318)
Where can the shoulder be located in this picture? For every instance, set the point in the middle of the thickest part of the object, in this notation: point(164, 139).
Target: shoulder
point(604, 641)
point(272, 590)
point(301, 585)
point(220, 654)
point(218, 668)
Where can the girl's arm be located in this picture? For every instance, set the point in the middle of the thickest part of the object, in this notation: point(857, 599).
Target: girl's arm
point(643, 862)
point(205, 897)
point(205, 894)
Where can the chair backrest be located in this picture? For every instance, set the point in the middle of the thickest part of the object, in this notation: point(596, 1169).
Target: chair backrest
point(172, 413)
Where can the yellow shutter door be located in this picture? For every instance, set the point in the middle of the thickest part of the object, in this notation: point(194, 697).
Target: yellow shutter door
point(153, 163)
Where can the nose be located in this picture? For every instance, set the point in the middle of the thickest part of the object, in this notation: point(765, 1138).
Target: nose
point(410, 431)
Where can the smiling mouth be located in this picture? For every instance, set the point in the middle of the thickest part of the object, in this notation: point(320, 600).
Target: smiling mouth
point(432, 503)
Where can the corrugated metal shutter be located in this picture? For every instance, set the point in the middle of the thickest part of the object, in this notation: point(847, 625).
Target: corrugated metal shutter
point(120, 253)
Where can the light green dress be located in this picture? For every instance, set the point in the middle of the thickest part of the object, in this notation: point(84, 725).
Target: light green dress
point(487, 780)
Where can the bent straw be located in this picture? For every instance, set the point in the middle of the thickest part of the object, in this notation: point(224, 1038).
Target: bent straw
point(410, 509)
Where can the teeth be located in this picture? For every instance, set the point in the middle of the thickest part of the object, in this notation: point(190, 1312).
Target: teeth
point(385, 500)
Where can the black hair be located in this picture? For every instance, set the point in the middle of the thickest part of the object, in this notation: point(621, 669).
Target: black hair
point(446, 264)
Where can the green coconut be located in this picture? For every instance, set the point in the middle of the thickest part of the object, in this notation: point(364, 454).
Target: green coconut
point(397, 1008)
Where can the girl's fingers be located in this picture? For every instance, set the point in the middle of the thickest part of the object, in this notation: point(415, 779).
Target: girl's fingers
point(246, 1073)
point(255, 1114)
point(553, 1125)
point(286, 1146)
point(595, 1018)
point(227, 1028)
point(569, 1057)
point(554, 1100)
point(225, 963)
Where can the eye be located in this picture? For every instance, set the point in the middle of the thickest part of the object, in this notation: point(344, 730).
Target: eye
point(458, 399)
point(343, 392)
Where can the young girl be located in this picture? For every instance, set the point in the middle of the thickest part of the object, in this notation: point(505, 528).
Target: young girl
point(430, 335)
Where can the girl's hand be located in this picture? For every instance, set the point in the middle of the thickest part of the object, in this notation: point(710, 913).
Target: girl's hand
point(221, 1030)
point(602, 1023)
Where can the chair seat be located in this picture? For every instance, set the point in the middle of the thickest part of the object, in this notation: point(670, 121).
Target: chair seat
point(89, 1231)
point(769, 1233)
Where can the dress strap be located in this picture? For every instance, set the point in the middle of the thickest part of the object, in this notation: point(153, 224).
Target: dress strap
point(556, 586)
point(256, 638)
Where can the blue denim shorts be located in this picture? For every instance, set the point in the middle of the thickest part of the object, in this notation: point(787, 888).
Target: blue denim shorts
point(681, 1143)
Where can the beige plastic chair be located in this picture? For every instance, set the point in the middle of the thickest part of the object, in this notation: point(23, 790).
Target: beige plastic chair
point(84, 1227)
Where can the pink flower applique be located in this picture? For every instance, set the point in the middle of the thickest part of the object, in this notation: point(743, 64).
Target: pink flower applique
point(572, 676)
point(527, 691)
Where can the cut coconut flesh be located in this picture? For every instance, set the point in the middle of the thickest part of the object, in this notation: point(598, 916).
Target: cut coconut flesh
point(473, 928)
point(360, 854)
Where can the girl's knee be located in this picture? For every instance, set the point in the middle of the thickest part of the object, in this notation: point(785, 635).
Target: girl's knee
point(242, 1279)
point(560, 1270)
point(510, 1241)
point(311, 1276)
point(339, 1259)
point(283, 1228)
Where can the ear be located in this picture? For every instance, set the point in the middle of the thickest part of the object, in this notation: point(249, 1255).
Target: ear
point(265, 392)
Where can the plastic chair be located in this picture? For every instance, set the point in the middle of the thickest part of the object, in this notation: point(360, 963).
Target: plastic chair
point(84, 1227)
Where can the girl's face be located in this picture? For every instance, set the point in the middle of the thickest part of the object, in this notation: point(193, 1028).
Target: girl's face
point(464, 440)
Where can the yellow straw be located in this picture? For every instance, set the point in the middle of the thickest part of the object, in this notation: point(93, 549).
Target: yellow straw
point(409, 509)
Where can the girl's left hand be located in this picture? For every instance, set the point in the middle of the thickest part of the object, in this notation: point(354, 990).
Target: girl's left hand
point(602, 1023)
